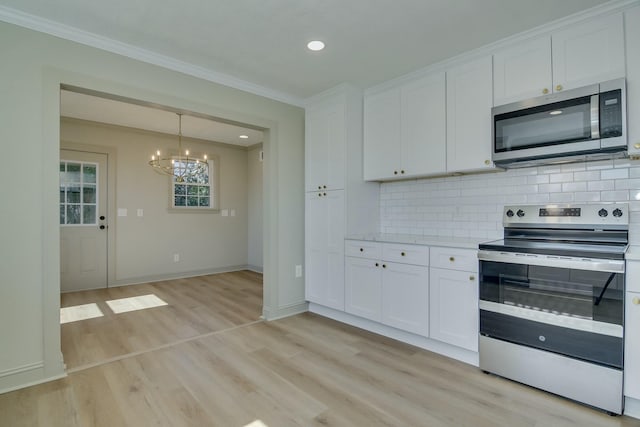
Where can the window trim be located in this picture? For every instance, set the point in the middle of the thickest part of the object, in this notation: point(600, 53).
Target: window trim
point(214, 189)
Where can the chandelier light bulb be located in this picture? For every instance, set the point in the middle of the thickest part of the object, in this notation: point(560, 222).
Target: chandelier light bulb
point(186, 152)
point(205, 157)
point(158, 153)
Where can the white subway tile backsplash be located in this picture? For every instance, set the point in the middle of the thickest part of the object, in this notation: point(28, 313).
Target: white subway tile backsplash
point(472, 205)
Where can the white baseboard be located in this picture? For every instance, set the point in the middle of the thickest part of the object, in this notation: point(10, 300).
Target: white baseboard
point(172, 276)
point(632, 407)
point(451, 351)
point(255, 268)
point(279, 313)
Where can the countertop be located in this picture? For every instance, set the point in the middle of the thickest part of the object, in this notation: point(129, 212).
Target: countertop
point(450, 242)
point(633, 253)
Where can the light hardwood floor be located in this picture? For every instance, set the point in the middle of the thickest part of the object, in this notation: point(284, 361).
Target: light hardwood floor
point(300, 371)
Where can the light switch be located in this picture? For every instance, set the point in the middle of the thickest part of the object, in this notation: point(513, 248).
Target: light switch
point(233, 212)
point(225, 212)
point(122, 211)
point(140, 212)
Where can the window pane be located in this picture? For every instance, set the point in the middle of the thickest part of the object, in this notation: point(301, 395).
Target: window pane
point(89, 212)
point(73, 194)
point(89, 194)
point(203, 190)
point(192, 190)
point(89, 173)
point(192, 200)
point(73, 172)
point(204, 201)
point(180, 189)
point(62, 196)
point(180, 201)
point(73, 214)
point(62, 210)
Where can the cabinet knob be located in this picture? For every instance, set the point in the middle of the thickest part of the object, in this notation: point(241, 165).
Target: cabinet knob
point(319, 194)
point(361, 249)
point(324, 194)
point(487, 162)
point(451, 259)
point(636, 300)
point(472, 278)
point(377, 264)
point(324, 186)
point(636, 145)
point(402, 172)
point(395, 172)
point(402, 254)
point(319, 187)
point(384, 265)
point(545, 91)
point(559, 87)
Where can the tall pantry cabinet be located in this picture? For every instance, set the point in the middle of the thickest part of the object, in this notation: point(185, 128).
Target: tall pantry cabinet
point(337, 200)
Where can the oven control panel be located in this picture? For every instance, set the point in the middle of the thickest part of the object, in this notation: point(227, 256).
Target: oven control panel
point(609, 214)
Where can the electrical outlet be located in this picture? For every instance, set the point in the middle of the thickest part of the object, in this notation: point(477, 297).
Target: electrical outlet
point(224, 212)
point(176, 257)
point(298, 271)
point(140, 212)
point(233, 212)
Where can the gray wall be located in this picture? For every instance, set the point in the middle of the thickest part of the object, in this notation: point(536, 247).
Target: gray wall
point(254, 196)
point(33, 67)
point(143, 247)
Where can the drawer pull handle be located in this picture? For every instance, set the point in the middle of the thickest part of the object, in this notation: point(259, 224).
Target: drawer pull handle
point(472, 278)
point(451, 259)
point(636, 300)
point(361, 250)
point(402, 254)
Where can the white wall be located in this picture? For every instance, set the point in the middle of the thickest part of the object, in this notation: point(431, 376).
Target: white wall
point(33, 66)
point(254, 195)
point(143, 247)
point(471, 205)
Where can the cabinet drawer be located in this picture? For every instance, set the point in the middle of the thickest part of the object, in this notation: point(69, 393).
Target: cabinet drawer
point(454, 259)
point(406, 254)
point(633, 276)
point(363, 249)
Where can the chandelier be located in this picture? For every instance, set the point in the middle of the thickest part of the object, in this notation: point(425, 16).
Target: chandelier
point(182, 167)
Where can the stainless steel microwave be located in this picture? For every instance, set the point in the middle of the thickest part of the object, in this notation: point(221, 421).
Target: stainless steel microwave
point(587, 123)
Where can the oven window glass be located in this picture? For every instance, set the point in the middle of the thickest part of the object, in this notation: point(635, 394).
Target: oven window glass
point(558, 123)
point(591, 295)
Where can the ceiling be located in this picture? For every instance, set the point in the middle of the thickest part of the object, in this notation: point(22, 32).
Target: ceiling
point(116, 112)
point(260, 44)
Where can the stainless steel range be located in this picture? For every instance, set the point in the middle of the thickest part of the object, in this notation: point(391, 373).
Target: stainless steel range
point(552, 300)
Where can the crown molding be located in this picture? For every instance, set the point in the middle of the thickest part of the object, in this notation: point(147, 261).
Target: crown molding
point(53, 28)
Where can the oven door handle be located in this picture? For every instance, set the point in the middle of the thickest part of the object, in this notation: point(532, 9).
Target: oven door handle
point(607, 265)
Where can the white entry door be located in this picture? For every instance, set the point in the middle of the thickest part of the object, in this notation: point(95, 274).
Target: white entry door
point(83, 221)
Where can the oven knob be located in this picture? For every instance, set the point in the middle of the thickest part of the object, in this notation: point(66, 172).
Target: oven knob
point(617, 213)
point(603, 213)
point(509, 213)
point(520, 213)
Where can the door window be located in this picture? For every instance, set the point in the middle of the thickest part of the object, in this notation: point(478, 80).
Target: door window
point(78, 193)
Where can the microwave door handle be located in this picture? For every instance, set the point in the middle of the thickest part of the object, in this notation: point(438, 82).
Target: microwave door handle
point(595, 116)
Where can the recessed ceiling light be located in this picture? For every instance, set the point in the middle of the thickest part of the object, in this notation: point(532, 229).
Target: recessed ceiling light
point(315, 45)
point(244, 137)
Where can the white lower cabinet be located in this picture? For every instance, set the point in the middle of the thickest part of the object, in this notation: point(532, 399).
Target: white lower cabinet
point(363, 288)
point(405, 297)
point(453, 306)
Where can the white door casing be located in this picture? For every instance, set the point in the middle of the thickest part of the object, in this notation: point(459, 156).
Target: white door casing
point(83, 204)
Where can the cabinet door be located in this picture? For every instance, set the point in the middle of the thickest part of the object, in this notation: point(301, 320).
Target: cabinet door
point(324, 248)
point(405, 297)
point(469, 101)
point(424, 126)
point(588, 53)
point(382, 156)
point(632, 345)
point(632, 26)
point(522, 71)
point(453, 305)
point(363, 288)
point(325, 147)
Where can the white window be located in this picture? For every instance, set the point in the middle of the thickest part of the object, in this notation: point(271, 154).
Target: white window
point(78, 193)
point(198, 190)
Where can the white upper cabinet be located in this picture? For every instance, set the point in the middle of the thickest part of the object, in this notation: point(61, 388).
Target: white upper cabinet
point(469, 101)
point(588, 53)
point(632, 26)
point(582, 54)
point(522, 71)
point(382, 134)
point(325, 141)
point(404, 130)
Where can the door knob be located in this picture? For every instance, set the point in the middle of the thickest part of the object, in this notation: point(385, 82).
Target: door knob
point(102, 227)
point(101, 217)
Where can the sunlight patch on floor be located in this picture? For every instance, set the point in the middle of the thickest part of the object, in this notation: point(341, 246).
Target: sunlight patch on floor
point(79, 312)
point(141, 302)
point(256, 423)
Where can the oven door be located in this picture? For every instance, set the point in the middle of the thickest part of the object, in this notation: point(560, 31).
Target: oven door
point(569, 306)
